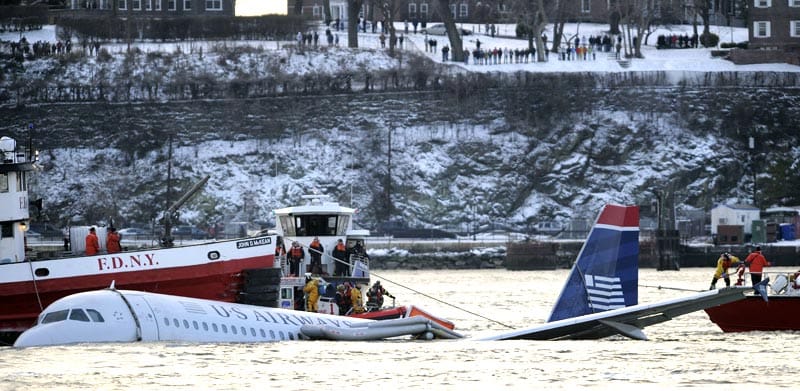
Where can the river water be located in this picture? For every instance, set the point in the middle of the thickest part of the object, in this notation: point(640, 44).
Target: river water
point(688, 352)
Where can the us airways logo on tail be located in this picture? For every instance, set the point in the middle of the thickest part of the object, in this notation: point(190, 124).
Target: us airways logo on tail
point(605, 293)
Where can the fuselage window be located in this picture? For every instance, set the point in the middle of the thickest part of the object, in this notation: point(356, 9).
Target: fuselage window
point(272, 334)
point(176, 323)
point(166, 321)
point(185, 324)
point(55, 316)
point(196, 326)
point(233, 329)
point(214, 325)
point(225, 329)
point(79, 315)
point(95, 316)
point(205, 326)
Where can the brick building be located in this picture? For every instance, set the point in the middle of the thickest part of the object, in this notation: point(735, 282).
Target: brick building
point(156, 8)
point(773, 33)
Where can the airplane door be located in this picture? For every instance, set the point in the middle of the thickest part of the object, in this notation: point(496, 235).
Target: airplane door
point(145, 316)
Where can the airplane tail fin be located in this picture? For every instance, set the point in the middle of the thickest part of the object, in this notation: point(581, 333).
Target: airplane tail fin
point(606, 274)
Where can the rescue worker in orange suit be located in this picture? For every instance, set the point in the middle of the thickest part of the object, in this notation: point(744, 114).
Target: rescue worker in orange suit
point(315, 249)
point(756, 262)
point(723, 264)
point(339, 255)
point(312, 294)
point(92, 243)
point(112, 241)
point(296, 255)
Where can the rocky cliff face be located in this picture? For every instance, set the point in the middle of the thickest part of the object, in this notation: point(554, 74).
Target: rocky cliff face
point(465, 152)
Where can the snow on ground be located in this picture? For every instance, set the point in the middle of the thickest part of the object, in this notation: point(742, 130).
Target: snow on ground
point(689, 60)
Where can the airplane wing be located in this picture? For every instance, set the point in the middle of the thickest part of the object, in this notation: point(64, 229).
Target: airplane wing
point(627, 321)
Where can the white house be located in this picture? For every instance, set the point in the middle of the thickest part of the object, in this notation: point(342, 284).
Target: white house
point(737, 214)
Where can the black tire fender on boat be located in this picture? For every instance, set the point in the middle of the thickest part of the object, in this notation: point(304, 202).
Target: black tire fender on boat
point(258, 277)
point(261, 299)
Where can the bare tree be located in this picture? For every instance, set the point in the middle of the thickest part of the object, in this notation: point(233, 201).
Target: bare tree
point(326, 12)
point(453, 32)
point(390, 10)
point(532, 15)
point(353, 8)
point(638, 18)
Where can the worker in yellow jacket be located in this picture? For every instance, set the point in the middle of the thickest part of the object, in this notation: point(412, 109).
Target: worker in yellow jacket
point(723, 264)
point(312, 294)
point(356, 299)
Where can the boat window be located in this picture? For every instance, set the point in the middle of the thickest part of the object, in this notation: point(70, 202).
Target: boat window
point(272, 334)
point(196, 326)
point(95, 315)
point(55, 316)
point(286, 293)
point(205, 326)
point(185, 324)
point(341, 229)
point(6, 230)
point(291, 336)
point(214, 325)
point(3, 183)
point(224, 329)
point(244, 331)
point(263, 334)
point(22, 183)
point(78, 314)
point(166, 321)
point(233, 330)
point(253, 331)
point(288, 226)
point(316, 225)
point(282, 336)
point(176, 323)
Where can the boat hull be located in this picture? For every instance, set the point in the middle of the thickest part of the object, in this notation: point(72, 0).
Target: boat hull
point(207, 271)
point(780, 313)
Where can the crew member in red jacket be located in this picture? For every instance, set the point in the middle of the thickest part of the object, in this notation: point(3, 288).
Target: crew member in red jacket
point(92, 243)
point(756, 262)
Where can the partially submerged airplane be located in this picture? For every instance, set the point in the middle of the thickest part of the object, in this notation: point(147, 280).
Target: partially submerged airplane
point(599, 299)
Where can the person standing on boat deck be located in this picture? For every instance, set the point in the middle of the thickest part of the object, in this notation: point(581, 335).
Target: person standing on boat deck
point(315, 249)
point(723, 264)
point(756, 262)
point(356, 300)
point(296, 255)
point(312, 294)
point(112, 241)
point(92, 243)
point(339, 255)
point(341, 300)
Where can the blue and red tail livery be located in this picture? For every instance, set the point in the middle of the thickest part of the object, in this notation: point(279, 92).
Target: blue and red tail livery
point(606, 274)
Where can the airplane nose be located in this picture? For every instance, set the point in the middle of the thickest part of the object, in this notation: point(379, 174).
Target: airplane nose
point(33, 337)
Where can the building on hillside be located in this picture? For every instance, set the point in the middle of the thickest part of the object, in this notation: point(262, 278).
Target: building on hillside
point(773, 33)
point(154, 8)
point(736, 214)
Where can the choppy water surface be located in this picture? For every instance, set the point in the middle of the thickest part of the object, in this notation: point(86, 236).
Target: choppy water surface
point(689, 351)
